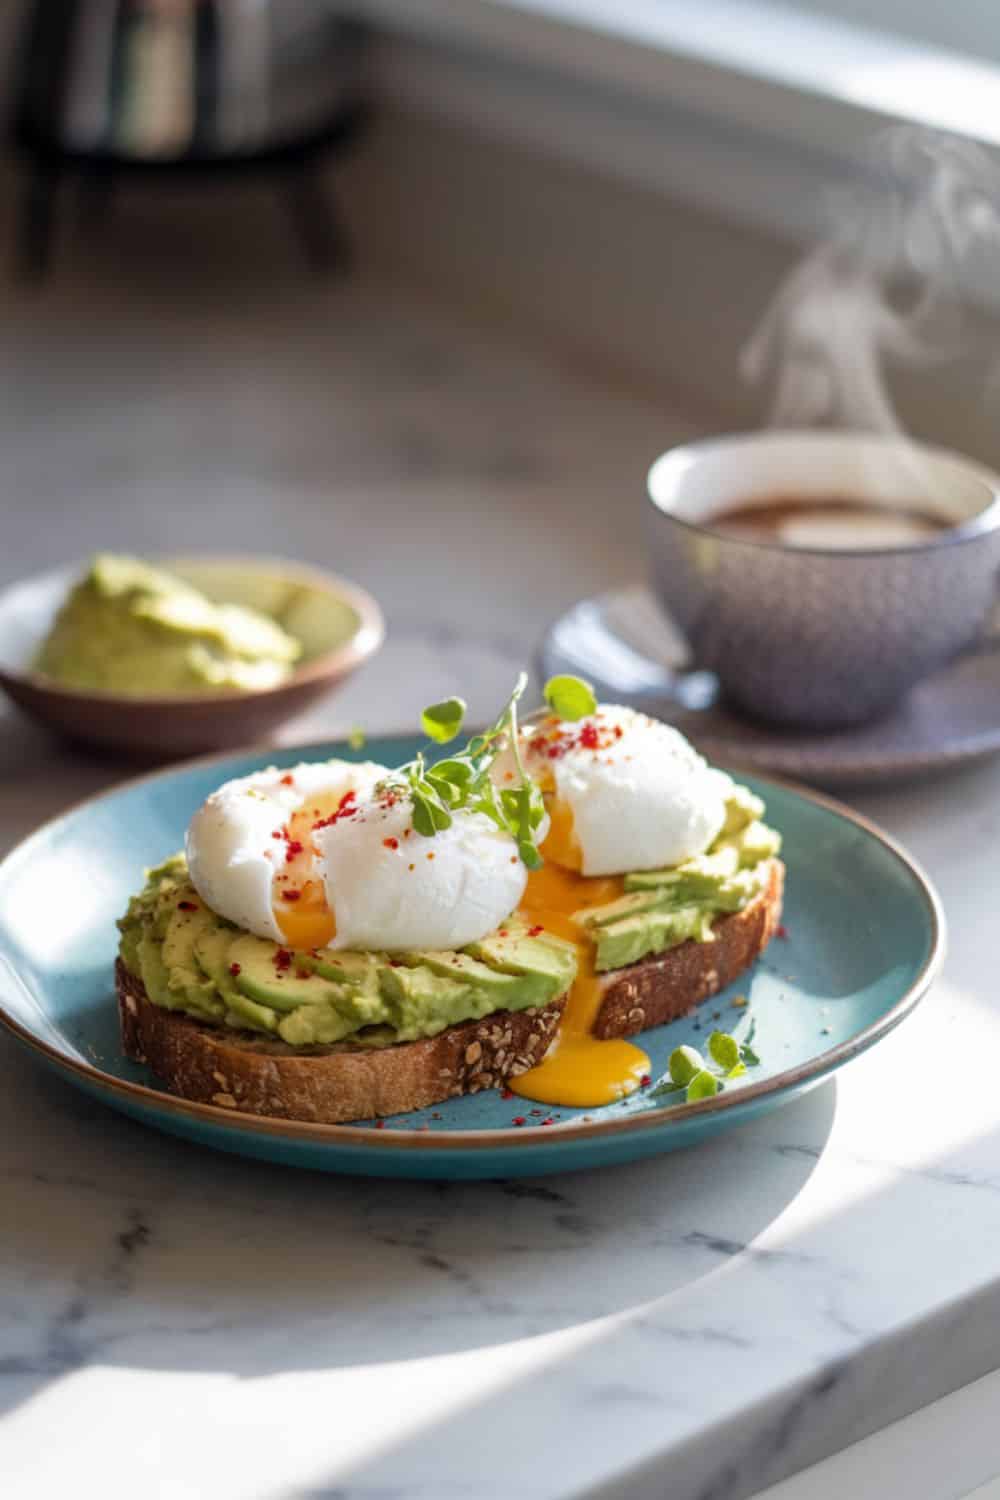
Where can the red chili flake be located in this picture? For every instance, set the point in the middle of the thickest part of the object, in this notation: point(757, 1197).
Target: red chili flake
point(519, 1120)
point(503, 932)
point(554, 752)
point(589, 738)
point(645, 1081)
point(431, 854)
point(303, 974)
point(781, 930)
point(187, 906)
point(345, 809)
point(291, 895)
point(294, 848)
point(538, 1111)
point(618, 731)
point(534, 931)
point(506, 1093)
point(235, 969)
point(391, 843)
point(549, 1121)
point(278, 833)
point(395, 963)
point(379, 1124)
point(282, 959)
point(513, 859)
point(288, 779)
point(407, 832)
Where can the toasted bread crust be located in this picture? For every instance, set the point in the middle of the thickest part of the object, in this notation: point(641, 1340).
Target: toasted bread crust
point(330, 1085)
point(664, 987)
point(238, 1071)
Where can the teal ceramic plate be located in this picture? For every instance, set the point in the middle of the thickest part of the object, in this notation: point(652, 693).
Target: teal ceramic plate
point(864, 939)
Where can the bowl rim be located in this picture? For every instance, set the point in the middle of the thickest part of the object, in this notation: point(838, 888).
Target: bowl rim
point(983, 523)
point(357, 648)
point(466, 1141)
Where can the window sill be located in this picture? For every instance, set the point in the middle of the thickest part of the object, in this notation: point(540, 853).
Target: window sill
point(742, 106)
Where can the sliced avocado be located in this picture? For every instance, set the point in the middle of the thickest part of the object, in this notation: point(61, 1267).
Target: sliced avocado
point(701, 872)
point(422, 1003)
point(211, 950)
point(542, 956)
point(358, 970)
point(176, 989)
point(502, 990)
point(631, 938)
point(758, 842)
point(153, 971)
point(742, 808)
point(264, 978)
point(188, 919)
point(312, 1025)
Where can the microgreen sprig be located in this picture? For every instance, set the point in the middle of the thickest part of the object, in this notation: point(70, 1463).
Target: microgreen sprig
point(463, 782)
point(698, 1077)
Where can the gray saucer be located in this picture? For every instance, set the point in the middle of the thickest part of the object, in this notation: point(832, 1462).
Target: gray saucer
point(633, 653)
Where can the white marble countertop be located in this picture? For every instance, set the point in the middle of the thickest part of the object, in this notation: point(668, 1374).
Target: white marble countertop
point(177, 1323)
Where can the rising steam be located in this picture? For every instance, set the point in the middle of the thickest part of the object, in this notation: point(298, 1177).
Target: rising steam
point(887, 288)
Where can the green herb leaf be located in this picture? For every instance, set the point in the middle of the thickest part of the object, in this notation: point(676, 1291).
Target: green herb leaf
point(724, 1050)
point(570, 697)
point(702, 1086)
point(356, 738)
point(442, 721)
point(685, 1063)
point(429, 817)
point(749, 1056)
point(462, 782)
point(457, 770)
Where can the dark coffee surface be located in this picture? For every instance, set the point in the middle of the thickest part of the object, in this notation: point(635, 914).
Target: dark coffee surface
point(835, 522)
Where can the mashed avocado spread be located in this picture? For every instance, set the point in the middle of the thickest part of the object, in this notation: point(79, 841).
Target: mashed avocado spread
point(132, 629)
point(191, 959)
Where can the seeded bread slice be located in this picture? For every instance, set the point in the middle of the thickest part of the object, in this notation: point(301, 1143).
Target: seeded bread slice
point(664, 987)
point(242, 1071)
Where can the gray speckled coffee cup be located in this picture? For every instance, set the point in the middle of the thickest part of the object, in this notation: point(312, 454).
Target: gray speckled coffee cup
point(810, 636)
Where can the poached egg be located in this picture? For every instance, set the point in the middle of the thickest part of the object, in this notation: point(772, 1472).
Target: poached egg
point(325, 855)
point(624, 793)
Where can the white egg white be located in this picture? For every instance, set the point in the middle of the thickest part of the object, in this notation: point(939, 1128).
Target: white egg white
point(641, 798)
point(231, 851)
point(389, 888)
point(394, 889)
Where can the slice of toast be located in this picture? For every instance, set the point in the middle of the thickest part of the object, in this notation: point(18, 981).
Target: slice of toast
point(240, 1070)
point(664, 986)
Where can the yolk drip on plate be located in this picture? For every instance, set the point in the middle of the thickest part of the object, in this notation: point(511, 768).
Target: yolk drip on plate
point(578, 1070)
point(300, 906)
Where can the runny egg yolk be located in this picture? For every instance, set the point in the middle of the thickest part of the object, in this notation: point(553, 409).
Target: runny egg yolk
point(299, 901)
point(579, 1070)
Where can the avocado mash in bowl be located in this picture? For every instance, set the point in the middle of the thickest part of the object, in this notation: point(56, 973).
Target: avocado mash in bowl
point(192, 654)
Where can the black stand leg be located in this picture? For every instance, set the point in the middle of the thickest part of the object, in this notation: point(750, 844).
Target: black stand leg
point(315, 218)
point(35, 224)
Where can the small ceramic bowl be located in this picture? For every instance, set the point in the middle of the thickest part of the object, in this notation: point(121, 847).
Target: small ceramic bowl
point(340, 626)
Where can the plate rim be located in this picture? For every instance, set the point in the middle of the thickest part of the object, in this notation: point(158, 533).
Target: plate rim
point(395, 1139)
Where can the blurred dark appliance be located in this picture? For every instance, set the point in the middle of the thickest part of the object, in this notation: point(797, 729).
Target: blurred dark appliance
point(109, 87)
